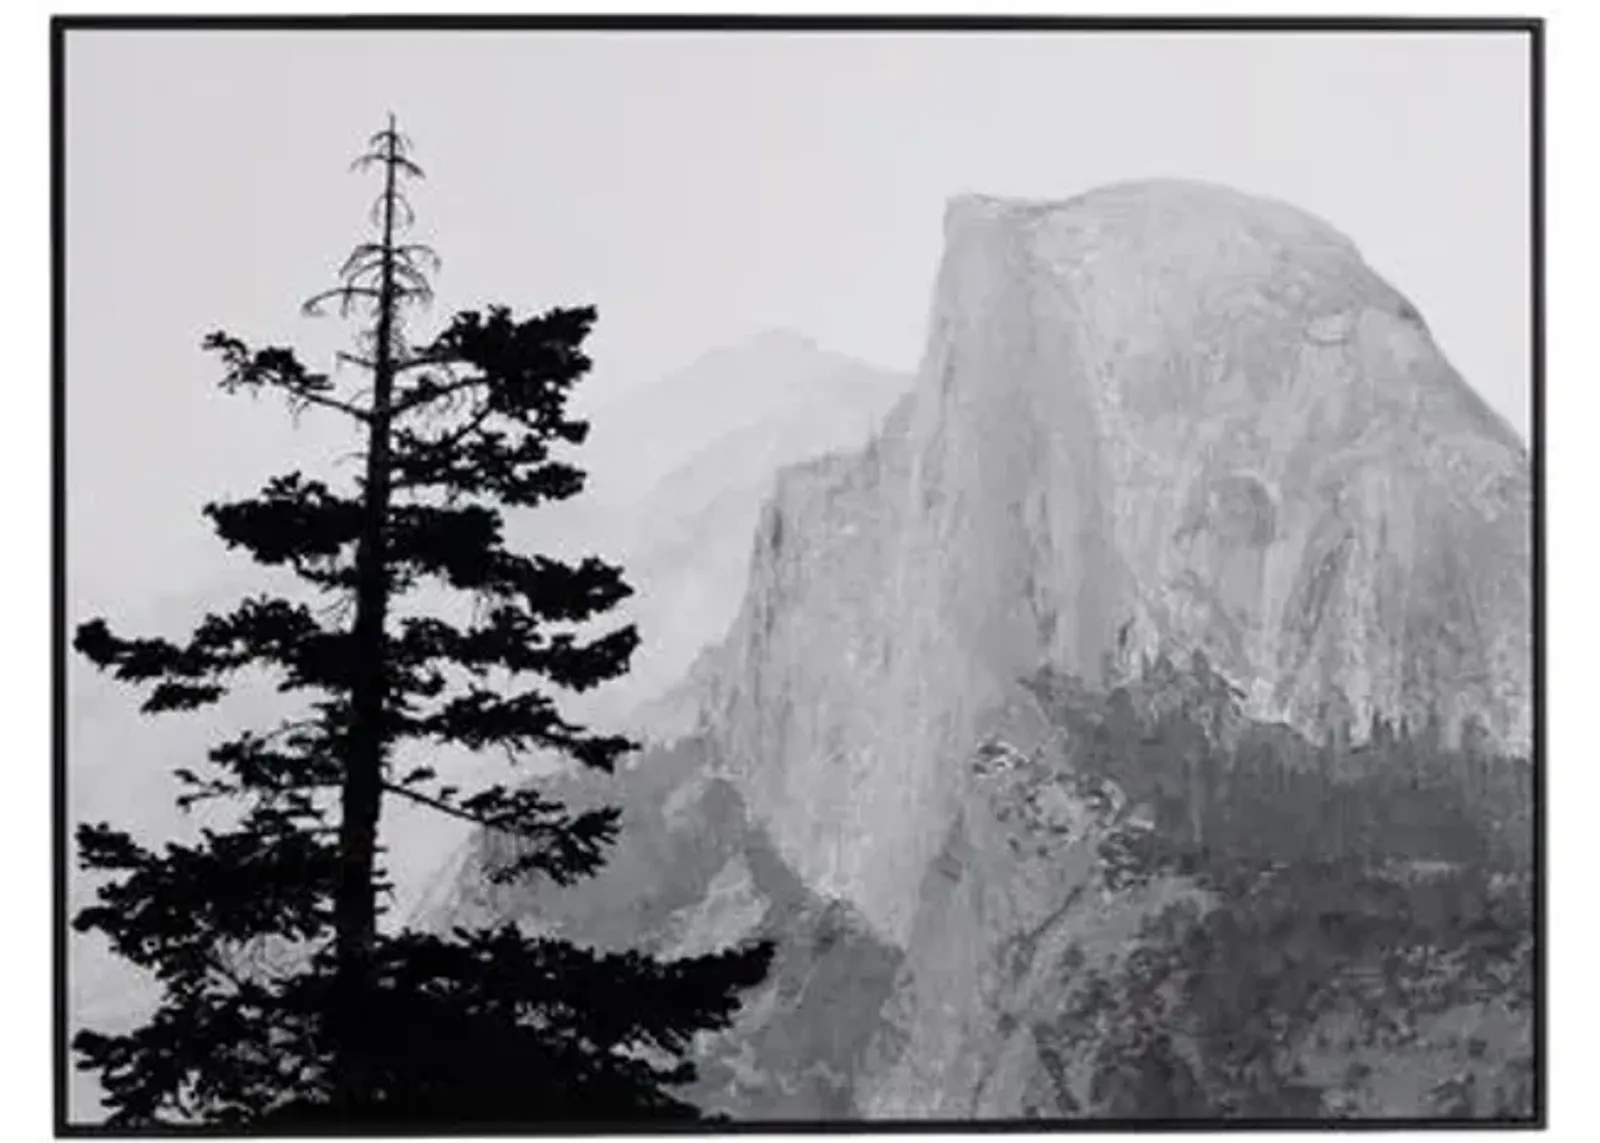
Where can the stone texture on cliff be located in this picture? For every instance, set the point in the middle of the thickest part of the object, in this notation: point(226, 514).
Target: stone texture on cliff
point(1020, 885)
point(1160, 417)
point(1162, 414)
point(680, 469)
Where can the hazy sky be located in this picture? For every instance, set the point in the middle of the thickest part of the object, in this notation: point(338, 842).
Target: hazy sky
point(698, 188)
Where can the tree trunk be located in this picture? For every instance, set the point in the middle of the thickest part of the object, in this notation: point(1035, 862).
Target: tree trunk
point(355, 907)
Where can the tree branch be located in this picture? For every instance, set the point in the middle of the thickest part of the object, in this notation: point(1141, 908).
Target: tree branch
point(432, 395)
point(451, 440)
point(344, 293)
point(417, 362)
point(446, 808)
point(360, 414)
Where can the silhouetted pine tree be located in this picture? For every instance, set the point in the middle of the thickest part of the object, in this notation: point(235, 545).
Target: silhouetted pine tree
point(282, 999)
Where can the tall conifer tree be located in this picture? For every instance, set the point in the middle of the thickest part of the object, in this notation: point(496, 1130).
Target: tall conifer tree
point(283, 999)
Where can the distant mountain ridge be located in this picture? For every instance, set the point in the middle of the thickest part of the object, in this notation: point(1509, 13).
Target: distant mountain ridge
point(682, 468)
point(639, 437)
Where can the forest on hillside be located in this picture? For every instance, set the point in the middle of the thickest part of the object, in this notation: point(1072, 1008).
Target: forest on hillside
point(1365, 936)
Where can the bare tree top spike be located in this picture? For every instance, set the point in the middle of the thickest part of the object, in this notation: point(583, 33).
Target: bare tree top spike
point(403, 266)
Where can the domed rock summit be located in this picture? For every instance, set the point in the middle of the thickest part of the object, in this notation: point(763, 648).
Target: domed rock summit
point(1161, 416)
point(1159, 420)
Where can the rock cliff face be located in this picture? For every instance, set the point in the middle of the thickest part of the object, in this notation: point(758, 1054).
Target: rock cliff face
point(686, 543)
point(1019, 884)
point(680, 470)
point(1159, 415)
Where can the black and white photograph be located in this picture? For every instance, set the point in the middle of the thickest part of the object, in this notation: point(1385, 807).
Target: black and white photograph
point(625, 575)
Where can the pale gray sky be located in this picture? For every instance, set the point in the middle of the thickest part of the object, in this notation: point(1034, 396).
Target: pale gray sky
point(698, 188)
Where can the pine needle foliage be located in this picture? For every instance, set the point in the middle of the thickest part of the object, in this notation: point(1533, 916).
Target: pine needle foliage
point(284, 1002)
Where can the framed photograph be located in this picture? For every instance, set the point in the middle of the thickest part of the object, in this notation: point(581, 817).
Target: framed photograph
point(780, 574)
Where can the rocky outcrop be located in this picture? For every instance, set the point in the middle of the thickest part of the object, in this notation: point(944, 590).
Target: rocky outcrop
point(1028, 877)
point(1161, 415)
